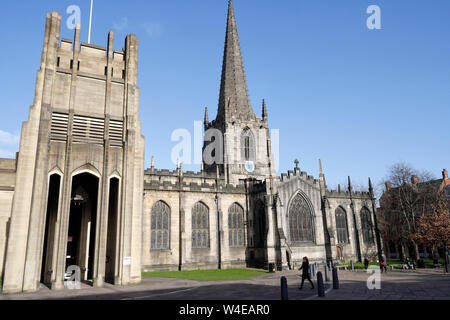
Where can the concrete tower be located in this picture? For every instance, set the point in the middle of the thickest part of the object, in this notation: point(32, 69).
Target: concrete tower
point(79, 180)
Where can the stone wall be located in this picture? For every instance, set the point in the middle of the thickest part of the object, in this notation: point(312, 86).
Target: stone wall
point(7, 183)
point(294, 182)
point(181, 200)
point(360, 200)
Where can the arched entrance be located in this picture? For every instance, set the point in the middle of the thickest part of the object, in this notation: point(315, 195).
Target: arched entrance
point(113, 232)
point(50, 228)
point(81, 238)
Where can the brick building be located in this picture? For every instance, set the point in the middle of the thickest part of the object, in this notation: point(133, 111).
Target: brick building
point(416, 193)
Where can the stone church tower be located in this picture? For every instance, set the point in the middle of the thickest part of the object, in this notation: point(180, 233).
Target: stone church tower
point(247, 151)
point(78, 190)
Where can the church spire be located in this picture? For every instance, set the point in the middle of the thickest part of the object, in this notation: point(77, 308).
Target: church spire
point(206, 121)
point(233, 87)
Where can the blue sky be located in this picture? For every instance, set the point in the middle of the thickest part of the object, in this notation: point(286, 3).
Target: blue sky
point(359, 99)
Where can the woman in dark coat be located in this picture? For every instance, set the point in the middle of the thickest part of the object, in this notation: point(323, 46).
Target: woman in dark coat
point(366, 263)
point(305, 273)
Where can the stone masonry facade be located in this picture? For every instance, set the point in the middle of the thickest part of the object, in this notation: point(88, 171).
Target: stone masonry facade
point(78, 194)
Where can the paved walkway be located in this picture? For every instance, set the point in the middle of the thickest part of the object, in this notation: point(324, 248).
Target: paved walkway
point(395, 285)
point(266, 287)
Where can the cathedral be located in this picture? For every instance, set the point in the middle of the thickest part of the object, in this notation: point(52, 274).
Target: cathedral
point(78, 194)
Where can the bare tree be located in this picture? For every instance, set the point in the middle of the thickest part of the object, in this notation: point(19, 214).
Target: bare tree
point(434, 227)
point(404, 203)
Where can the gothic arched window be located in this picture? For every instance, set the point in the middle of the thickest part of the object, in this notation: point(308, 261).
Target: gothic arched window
point(341, 225)
point(248, 145)
point(236, 225)
point(160, 226)
point(300, 220)
point(200, 226)
point(366, 225)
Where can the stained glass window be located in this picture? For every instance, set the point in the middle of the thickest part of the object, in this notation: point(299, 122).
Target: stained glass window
point(236, 225)
point(160, 226)
point(366, 225)
point(341, 225)
point(300, 220)
point(200, 226)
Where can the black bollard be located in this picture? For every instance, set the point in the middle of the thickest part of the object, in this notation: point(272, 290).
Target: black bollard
point(352, 265)
point(320, 287)
point(313, 270)
point(327, 273)
point(284, 289)
point(335, 278)
point(446, 266)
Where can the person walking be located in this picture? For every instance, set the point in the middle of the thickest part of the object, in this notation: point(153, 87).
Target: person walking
point(383, 266)
point(366, 263)
point(305, 273)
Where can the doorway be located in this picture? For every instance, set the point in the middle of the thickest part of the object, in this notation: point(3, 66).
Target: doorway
point(112, 243)
point(50, 226)
point(82, 224)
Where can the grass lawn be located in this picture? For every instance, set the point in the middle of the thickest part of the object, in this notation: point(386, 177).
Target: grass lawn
point(398, 264)
point(360, 265)
point(394, 261)
point(208, 275)
point(441, 261)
